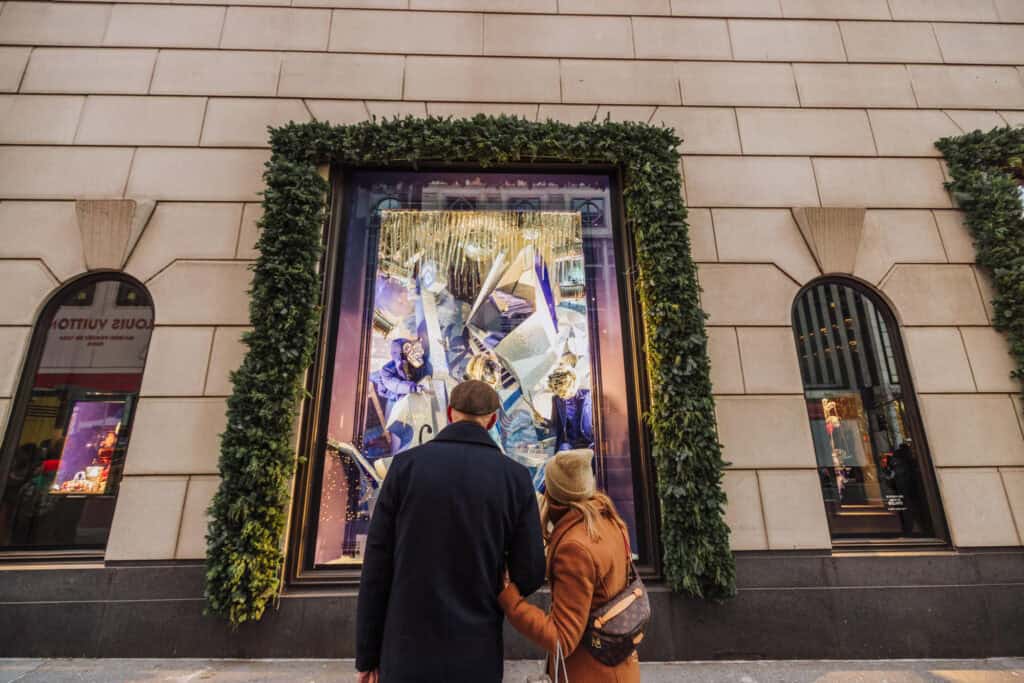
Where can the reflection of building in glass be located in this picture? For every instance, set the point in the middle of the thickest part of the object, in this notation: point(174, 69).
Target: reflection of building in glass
point(858, 414)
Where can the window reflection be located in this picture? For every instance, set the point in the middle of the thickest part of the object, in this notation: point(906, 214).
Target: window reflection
point(67, 440)
point(871, 469)
point(449, 276)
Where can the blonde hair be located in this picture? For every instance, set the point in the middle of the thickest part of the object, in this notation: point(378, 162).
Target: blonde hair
point(598, 505)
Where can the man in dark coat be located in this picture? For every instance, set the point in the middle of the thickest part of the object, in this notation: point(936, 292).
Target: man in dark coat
point(450, 516)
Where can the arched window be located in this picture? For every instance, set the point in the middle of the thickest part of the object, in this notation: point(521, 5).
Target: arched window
point(876, 477)
point(65, 445)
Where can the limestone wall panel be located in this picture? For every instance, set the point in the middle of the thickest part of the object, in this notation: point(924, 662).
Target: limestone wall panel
point(836, 9)
point(39, 119)
point(619, 82)
point(164, 26)
point(194, 520)
point(897, 236)
point(938, 360)
point(750, 181)
point(146, 518)
point(764, 432)
point(972, 430)
point(63, 172)
point(724, 354)
point(746, 294)
point(702, 235)
point(874, 41)
point(466, 79)
point(809, 131)
point(727, 8)
point(769, 360)
point(882, 183)
point(704, 130)
point(910, 133)
point(764, 235)
point(956, 238)
point(743, 511)
point(240, 122)
point(198, 174)
point(12, 65)
point(1013, 481)
point(176, 436)
point(935, 295)
point(731, 84)
point(633, 7)
point(981, 44)
point(185, 231)
point(789, 41)
point(854, 85)
point(225, 357)
point(991, 362)
point(176, 364)
point(967, 86)
point(275, 28)
point(202, 293)
point(793, 510)
point(31, 229)
point(151, 120)
point(681, 38)
point(943, 10)
point(53, 23)
point(216, 72)
point(82, 71)
point(530, 35)
point(976, 507)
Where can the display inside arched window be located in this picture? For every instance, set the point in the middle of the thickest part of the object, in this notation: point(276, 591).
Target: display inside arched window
point(876, 477)
point(65, 445)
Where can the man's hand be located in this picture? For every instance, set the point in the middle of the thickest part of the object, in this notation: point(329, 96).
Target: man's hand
point(368, 676)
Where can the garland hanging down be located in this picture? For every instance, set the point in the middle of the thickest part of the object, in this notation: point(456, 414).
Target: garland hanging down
point(257, 459)
point(988, 176)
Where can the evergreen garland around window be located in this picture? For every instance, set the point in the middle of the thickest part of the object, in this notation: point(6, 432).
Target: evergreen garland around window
point(987, 171)
point(257, 459)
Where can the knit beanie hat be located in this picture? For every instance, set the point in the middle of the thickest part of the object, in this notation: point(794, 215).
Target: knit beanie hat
point(569, 476)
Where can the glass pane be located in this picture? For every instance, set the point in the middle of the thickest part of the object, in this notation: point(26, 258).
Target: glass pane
point(508, 278)
point(63, 462)
point(870, 467)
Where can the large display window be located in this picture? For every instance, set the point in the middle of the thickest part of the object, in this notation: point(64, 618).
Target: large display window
point(876, 476)
point(516, 279)
point(68, 435)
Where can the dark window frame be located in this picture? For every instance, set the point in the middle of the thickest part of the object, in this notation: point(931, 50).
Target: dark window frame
point(913, 419)
point(23, 394)
point(300, 573)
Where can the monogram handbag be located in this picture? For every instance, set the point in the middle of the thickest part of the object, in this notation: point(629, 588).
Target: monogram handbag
point(617, 627)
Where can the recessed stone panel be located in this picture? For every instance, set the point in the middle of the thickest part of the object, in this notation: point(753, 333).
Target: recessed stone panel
point(25, 284)
point(981, 44)
point(12, 65)
point(794, 513)
point(176, 436)
point(160, 121)
point(887, 41)
point(30, 229)
point(935, 295)
point(848, 85)
point(702, 235)
point(177, 361)
point(164, 26)
point(145, 525)
point(216, 72)
point(938, 360)
point(194, 519)
point(237, 122)
point(908, 132)
point(805, 131)
point(976, 507)
point(764, 431)
point(956, 237)
point(967, 86)
point(276, 28)
point(769, 360)
point(480, 79)
point(53, 23)
point(202, 293)
point(989, 353)
point(89, 71)
point(972, 431)
point(748, 294)
point(752, 235)
point(743, 511)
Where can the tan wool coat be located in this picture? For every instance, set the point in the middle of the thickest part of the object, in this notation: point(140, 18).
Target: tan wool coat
point(584, 574)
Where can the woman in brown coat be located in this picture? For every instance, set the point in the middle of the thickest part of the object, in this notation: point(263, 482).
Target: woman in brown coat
point(588, 565)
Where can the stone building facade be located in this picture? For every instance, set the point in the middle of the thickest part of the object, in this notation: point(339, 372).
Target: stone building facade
point(784, 106)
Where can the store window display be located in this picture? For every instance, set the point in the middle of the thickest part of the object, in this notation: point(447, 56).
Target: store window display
point(876, 477)
point(67, 438)
point(507, 278)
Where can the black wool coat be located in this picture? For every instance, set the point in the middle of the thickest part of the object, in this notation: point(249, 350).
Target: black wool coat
point(449, 517)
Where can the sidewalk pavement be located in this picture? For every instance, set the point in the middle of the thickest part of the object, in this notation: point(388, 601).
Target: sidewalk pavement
point(319, 670)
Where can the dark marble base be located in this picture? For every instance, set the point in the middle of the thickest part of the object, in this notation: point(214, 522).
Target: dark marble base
point(790, 606)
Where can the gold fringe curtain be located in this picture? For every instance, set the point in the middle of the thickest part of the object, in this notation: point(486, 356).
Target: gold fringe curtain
point(453, 239)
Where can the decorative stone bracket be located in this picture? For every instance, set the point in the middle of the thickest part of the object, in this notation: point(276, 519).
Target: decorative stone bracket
point(110, 229)
point(833, 234)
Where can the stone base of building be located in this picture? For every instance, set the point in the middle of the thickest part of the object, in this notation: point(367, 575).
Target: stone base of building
point(789, 606)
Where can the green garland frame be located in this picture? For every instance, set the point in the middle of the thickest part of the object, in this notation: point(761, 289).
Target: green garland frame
point(257, 460)
point(986, 170)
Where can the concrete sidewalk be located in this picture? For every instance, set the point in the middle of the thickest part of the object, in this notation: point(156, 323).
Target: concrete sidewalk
point(316, 670)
